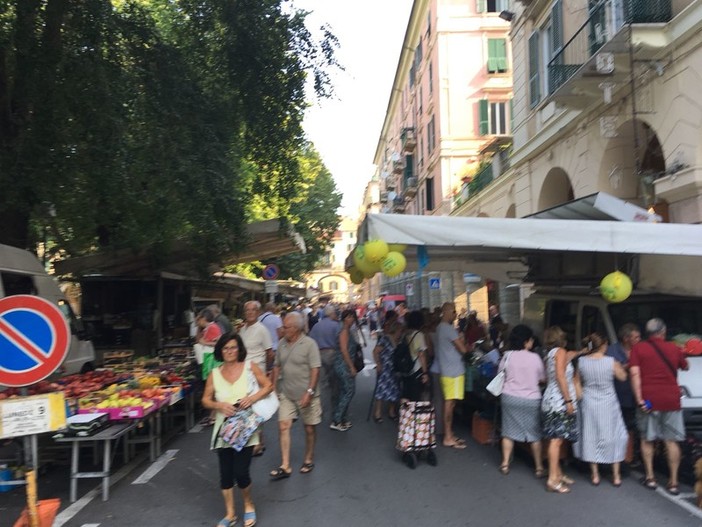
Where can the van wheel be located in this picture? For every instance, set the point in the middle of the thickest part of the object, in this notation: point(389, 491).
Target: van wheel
point(88, 366)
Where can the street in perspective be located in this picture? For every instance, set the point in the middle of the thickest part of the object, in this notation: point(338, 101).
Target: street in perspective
point(360, 479)
point(387, 263)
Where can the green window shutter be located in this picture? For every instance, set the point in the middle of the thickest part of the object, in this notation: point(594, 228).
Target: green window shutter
point(481, 6)
point(483, 123)
point(501, 54)
point(557, 25)
point(497, 55)
point(534, 79)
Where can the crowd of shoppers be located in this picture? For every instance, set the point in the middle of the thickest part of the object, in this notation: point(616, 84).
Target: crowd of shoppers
point(594, 397)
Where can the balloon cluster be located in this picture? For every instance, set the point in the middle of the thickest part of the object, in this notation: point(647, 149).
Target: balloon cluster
point(374, 256)
point(616, 287)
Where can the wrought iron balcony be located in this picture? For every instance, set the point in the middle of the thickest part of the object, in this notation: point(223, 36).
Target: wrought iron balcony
point(409, 189)
point(398, 204)
point(481, 180)
point(383, 197)
point(409, 140)
point(605, 22)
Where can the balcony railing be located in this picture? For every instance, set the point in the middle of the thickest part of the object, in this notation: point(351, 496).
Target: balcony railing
point(481, 180)
point(605, 21)
point(383, 197)
point(409, 140)
point(409, 187)
point(398, 204)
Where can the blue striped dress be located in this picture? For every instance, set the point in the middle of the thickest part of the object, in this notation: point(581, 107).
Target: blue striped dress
point(603, 436)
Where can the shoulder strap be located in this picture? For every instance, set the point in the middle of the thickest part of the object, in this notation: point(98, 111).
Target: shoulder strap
point(664, 358)
point(265, 316)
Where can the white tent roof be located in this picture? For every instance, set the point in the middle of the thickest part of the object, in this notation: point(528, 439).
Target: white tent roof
point(495, 247)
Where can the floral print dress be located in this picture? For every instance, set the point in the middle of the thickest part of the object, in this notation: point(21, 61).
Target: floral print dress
point(388, 388)
point(556, 421)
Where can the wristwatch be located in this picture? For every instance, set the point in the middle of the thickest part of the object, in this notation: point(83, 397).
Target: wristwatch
point(310, 391)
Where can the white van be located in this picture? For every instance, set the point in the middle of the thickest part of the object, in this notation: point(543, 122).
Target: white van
point(21, 273)
point(580, 314)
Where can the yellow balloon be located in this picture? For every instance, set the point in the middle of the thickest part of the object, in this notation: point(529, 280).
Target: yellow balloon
point(393, 264)
point(616, 287)
point(359, 259)
point(356, 275)
point(376, 250)
point(397, 247)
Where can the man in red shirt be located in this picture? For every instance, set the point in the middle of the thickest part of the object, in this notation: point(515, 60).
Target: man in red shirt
point(654, 365)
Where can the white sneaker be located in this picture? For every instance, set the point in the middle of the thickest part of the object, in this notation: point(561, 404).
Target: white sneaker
point(339, 427)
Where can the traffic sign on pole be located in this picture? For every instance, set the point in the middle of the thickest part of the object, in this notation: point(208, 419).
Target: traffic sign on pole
point(34, 339)
point(271, 272)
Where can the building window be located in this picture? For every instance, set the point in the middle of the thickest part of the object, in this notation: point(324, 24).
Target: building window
point(352, 235)
point(497, 55)
point(333, 285)
point(421, 97)
point(545, 45)
point(431, 78)
point(349, 247)
point(493, 118)
point(431, 136)
point(428, 24)
point(430, 193)
point(491, 6)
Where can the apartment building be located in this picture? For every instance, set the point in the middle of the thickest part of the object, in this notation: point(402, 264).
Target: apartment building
point(604, 102)
point(450, 104)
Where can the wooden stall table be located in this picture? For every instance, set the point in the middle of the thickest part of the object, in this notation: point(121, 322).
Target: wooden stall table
point(113, 433)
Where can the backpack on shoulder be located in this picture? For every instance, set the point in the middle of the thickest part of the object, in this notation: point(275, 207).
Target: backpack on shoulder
point(402, 358)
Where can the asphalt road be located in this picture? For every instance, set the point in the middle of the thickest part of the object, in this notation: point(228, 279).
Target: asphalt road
point(360, 480)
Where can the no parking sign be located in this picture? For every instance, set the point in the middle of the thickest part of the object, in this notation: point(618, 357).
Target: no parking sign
point(34, 339)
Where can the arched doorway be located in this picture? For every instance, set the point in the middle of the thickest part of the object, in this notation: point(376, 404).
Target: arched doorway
point(555, 190)
point(618, 167)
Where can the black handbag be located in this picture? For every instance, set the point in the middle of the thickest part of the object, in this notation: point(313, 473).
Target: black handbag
point(358, 361)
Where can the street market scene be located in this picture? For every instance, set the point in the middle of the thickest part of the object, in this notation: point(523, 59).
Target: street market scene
point(288, 262)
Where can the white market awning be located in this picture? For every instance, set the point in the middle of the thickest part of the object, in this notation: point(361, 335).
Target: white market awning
point(497, 248)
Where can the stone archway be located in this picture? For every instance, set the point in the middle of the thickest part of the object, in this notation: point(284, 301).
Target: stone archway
point(617, 172)
point(556, 189)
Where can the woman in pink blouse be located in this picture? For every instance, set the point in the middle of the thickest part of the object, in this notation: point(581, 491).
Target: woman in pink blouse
point(521, 397)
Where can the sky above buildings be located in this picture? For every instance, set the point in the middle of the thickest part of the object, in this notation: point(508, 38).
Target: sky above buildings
point(345, 130)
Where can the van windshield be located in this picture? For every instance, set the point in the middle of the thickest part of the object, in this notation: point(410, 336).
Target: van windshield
point(682, 316)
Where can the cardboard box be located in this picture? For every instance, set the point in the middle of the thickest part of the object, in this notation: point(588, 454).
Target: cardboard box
point(482, 430)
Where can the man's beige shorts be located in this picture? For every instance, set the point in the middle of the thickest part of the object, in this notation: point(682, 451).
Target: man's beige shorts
point(289, 410)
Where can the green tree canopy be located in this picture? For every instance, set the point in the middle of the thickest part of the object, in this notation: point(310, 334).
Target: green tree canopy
point(133, 123)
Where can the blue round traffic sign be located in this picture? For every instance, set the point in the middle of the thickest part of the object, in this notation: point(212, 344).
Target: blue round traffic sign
point(271, 272)
point(34, 339)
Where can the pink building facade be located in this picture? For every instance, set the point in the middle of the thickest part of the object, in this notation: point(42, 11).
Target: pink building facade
point(450, 100)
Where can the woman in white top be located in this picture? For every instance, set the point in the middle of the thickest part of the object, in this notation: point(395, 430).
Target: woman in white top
point(226, 392)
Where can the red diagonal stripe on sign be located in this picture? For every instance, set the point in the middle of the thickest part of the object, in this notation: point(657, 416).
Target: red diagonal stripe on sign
point(21, 342)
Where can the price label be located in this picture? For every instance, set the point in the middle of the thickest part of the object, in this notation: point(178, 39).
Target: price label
point(32, 415)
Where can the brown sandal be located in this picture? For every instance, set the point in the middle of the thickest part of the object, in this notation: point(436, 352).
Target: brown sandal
point(559, 488)
point(306, 468)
